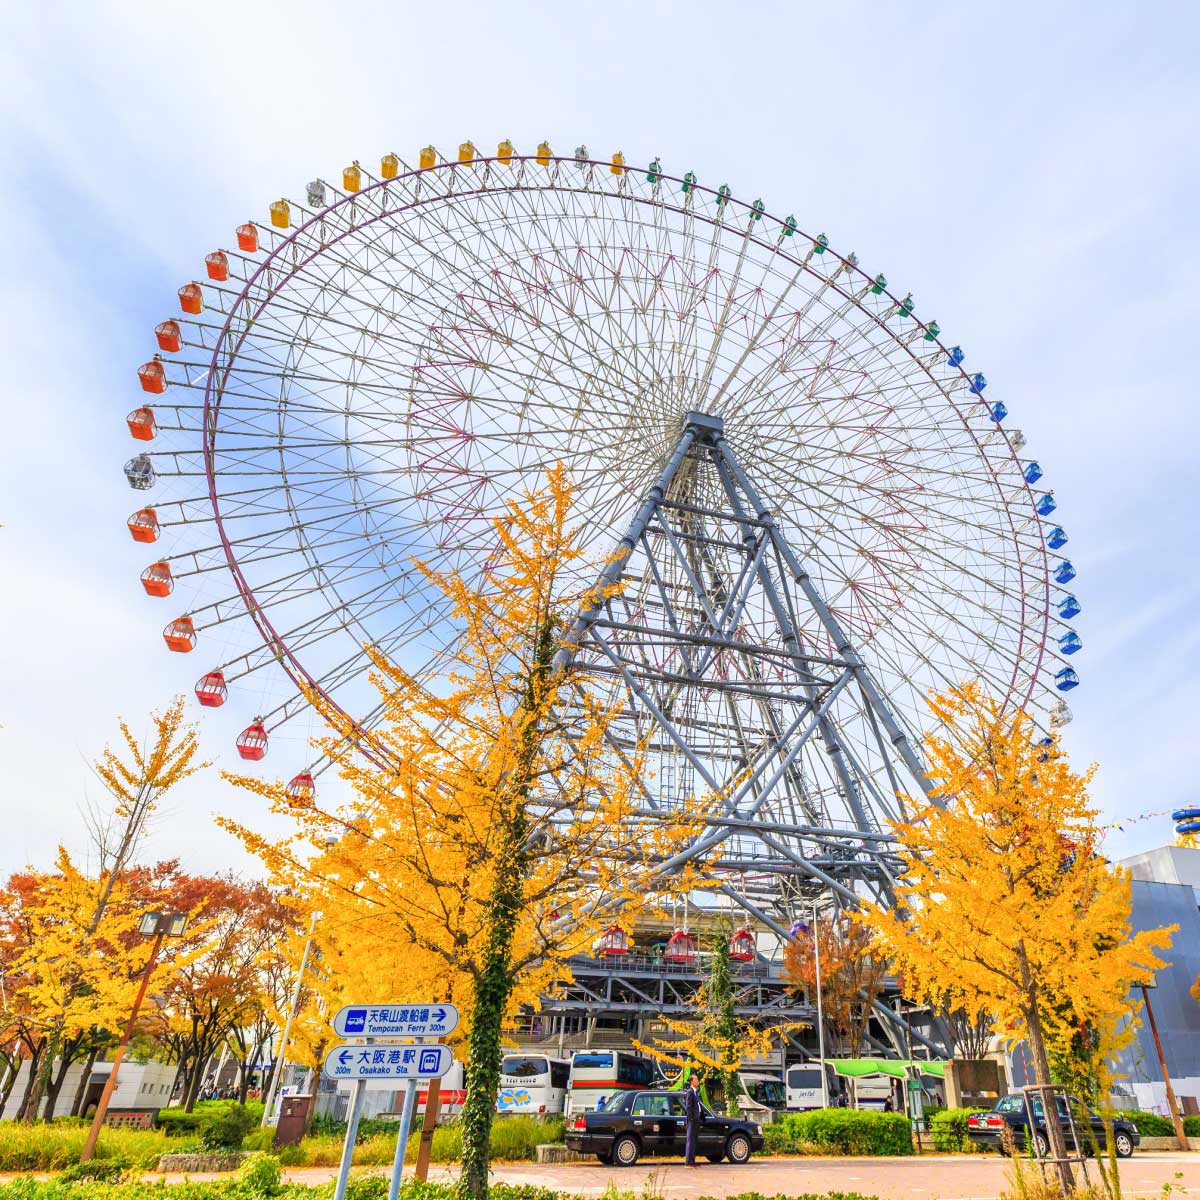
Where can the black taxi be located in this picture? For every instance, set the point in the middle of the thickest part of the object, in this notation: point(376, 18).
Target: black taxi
point(651, 1123)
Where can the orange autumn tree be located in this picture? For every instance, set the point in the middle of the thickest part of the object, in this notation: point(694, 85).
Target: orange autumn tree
point(852, 976)
point(494, 828)
point(1005, 906)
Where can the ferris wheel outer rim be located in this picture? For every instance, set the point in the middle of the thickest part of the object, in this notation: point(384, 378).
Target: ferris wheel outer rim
point(287, 658)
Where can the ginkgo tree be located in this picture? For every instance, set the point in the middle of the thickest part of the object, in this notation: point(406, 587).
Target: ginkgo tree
point(495, 828)
point(1005, 906)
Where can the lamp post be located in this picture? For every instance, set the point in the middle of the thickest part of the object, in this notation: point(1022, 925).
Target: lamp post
point(820, 1010)
point(269, 1099)
point(160, 925)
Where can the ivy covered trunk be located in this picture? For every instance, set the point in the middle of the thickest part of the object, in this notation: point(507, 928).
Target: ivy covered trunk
point(493, 983)
point(720, 989)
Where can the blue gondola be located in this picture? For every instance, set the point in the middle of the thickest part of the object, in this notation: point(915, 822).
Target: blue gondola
point(978, 383)
point(1069, 607)
point(1033, 472)
point(1045, 743)
point(1056, 538)
point(956, 356)
point(999, 412)
point(1066, 679)
point(1045, 504)
point(1065, 571)
point(1070, 642)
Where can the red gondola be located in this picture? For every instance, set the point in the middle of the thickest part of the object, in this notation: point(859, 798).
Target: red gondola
point(252, 741)
point(157, 579)
point(211, 690)
point(141, 424)
point(217, 265)
point(303, 789)
point(168, 336)
point(143, 525)
point(180, 635)
point(681, 948)
point(742, 945)
point(191, 298)
point(247, 236)
point(612, 943)
point(152, 377)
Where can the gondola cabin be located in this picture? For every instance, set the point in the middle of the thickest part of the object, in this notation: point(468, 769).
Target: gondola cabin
point(152, 377)
point(139, 472)
point(141, 424)
point(157, 579)
point(303, 789)
point(680, 948)
point(1066, 679)
point(742, 945)
point(191, 299)
point(143, 525)
point(217, 266)
point(252, 741)
point(180, 635)
point(247, 238)
point(167, 334)
point(612, 943)
point(211, 689)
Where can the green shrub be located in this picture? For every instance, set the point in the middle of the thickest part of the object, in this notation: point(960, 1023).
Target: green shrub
point(1191, 1126)
point(174, 1122)
point(42, 1147)
point(106, 1170)
point(948, 1128)
point(225, 1130)
point(1148, 1124)
point(850, 1131)
point(259, 1175)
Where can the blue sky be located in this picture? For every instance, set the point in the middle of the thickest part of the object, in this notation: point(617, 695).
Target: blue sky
point(1029, 171)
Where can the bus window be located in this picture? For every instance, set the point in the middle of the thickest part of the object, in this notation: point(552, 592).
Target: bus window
point(560, 1072)
point(592, 1058)
point(520, 1066)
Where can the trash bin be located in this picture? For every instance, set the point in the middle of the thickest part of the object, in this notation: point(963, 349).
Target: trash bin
point(293, 1120)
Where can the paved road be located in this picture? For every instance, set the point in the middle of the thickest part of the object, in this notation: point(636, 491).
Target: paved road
point(930, 1177)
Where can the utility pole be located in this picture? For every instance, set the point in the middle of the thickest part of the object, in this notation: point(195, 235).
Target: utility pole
point(820, 1010)
point(1172, 1105)
point(160, 925)
point(269, 1099)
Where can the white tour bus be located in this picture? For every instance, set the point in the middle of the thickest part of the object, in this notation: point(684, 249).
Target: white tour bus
point(597, 1074)
point(804, 1086)
point(532, 1083)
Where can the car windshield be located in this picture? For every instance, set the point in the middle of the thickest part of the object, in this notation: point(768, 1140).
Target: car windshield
point(617, 1102)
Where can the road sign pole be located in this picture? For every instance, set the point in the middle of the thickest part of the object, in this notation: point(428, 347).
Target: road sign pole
point(343, 1177)
point(406, 1116)
point(428, 1125)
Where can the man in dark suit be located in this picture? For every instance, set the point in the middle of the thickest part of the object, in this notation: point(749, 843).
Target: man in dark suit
point(692, 1116)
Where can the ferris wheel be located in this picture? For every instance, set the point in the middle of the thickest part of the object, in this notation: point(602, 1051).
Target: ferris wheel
point(367, 376)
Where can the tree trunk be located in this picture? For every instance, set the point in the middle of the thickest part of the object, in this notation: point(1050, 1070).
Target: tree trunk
point(1041, 1073)
point(194, 1083)
point(493, 986)
point(10, 1081)
point(41, 1077)
point(66, 1058)
point(81, 1090)
point(27, 1097)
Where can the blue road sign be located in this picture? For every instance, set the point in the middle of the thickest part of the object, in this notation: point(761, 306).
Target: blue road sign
point(388, 1062)
point(396, 1020)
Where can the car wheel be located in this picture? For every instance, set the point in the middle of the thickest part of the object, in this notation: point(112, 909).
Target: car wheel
point(605, 1158)
point(738, 1148)
point(1123, 1144)
point(625, 1151)
point(1041, 1145)
point(714, 1158)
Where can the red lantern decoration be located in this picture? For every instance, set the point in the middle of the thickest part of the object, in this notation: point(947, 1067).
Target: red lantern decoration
point(191, 298)
point(143, 525)
point(211, 690)
point(252, 741)
point(152, 377)
point(158, 580)
point(247, 236)
point(217, 265)
point(303, 789)
point(681, 948)
point(168, 336)
point(141, 424)
point(180, 635)
point(742, 945)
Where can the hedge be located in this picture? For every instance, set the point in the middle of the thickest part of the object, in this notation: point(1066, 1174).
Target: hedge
point(840, 1131)
point(948, 1128)
point(1191, 1126)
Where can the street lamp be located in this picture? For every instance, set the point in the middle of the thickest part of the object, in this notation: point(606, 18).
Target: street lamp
point(281, 1061)
point(1172, 1104)
point(159, 926)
